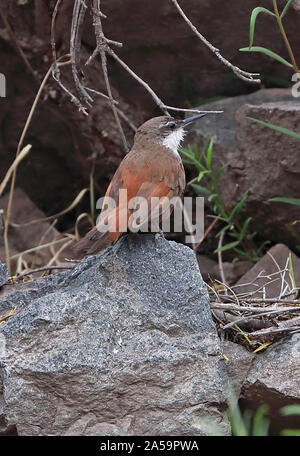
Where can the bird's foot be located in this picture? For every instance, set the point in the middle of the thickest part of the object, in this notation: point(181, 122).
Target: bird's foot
point(158, 236)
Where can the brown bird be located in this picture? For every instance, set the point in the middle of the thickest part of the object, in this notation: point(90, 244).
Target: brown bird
point(153, 168)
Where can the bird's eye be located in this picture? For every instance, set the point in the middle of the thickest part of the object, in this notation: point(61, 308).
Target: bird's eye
point(171, 125)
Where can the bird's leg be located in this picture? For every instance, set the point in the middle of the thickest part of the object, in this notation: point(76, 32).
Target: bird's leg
point(158, 232)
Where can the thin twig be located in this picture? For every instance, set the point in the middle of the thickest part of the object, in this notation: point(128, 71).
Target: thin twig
point(265, 313)
point(79, 11)
point(39, 247)
point(272, 300)
point(258, 310)
point(266, 333)
point(155, 97)
point(244, 75)
point(34, 271)
point(24, 152)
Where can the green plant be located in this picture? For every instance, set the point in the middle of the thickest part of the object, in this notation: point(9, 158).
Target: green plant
point(282, 130)
point(290, 410)
point(256, 423)
point(279, 18)
point(282, 199)
point(207, 184)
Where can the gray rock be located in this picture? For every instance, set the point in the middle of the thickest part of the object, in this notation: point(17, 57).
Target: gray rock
point(262, 161)
point(223, 127)
point(274, 379)
point(124, 344)
point(238, 364)
point(3, 274)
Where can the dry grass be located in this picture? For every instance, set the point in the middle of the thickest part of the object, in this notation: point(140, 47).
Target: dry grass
point(253, 318)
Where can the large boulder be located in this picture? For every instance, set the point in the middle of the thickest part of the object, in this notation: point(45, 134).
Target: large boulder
point(123, 344)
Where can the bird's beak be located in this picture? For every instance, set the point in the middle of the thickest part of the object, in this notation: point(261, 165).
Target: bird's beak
point(189, 120)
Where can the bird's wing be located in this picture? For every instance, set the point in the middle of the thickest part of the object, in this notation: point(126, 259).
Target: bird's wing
point(159, 177)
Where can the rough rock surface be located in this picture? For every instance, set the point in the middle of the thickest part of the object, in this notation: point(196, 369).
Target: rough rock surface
point(3, 273)
point(274, 379)
point(124, 344)
point(262, 161)
point(238, 364)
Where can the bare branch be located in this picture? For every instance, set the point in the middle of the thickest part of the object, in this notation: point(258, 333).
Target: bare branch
point(244, 75)
point(34, 271)
point(79, 11)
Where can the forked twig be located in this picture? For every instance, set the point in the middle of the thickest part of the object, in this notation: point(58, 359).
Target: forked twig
point(103, 48)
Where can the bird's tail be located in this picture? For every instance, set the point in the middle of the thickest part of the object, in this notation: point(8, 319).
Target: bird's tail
point(104, 234)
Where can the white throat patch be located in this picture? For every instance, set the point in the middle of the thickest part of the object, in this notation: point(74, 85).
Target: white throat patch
point(173, 140)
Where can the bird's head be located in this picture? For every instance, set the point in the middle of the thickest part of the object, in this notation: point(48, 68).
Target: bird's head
point(164, 131)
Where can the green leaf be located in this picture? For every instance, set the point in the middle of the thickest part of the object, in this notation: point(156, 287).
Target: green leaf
point(224, 229)
point(290, 410)
point(254, 15)
point(200, 189)
point(285, 9)
point(290, 432)
point(202, 173)
point(244, 229)
point(212, 196)
point(260, 422)
point(294, 201)
point(195, 152)
point(237, 209)
point(187, 153)
point(194, 162)
point(243, 333)
point(269, 53)
point(250, 236)
point(247, 256)
point(283, 130)
point(229, 246)
point(209, 154)
point(218, 171)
